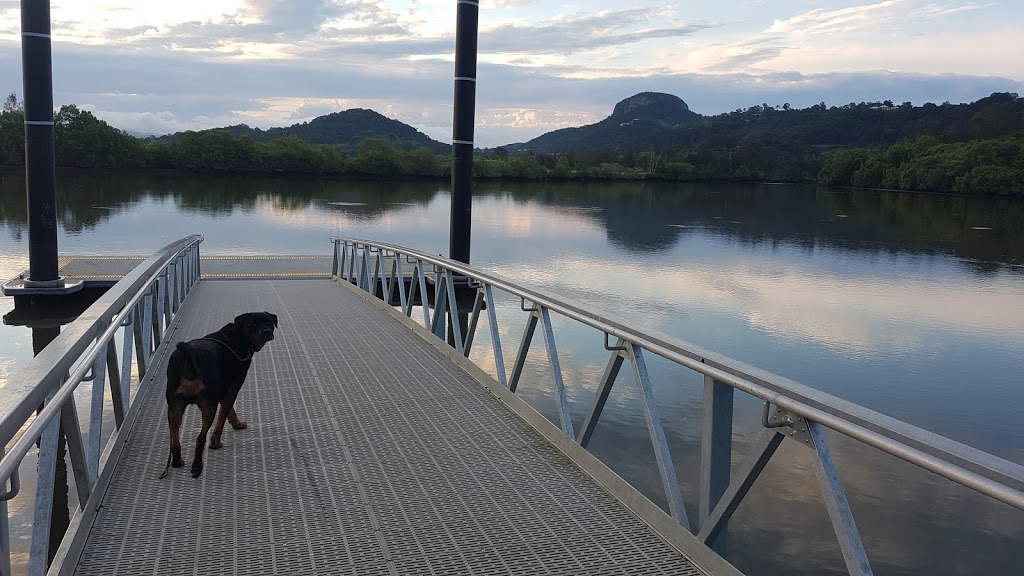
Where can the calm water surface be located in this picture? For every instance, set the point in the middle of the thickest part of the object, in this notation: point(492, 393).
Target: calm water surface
point(911, 305)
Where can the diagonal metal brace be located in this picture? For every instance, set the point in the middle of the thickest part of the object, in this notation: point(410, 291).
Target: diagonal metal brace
point(604, 388)
point(524, 349)
point(837, 505)
point(749, 470)
point(564, 416)
point(657, 433)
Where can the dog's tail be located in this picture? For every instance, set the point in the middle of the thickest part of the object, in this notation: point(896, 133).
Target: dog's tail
point(191, 368)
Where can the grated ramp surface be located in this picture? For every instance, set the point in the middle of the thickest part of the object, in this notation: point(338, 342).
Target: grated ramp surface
point(367, 453)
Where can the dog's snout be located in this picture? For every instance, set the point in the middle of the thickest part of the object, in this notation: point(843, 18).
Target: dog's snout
point(268, 333)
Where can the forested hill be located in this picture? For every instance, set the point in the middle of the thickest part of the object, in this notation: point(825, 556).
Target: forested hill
point(662, 122)
point(342, 130)
point(966, 148)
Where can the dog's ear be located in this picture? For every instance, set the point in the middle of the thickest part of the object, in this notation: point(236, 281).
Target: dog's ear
point(274, 317)
point(241, 319)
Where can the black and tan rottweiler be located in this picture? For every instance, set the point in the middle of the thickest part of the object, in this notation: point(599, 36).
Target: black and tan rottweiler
point(209, 371)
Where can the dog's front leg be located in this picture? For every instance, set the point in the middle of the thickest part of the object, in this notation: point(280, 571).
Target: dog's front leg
point(209, 411)
point(227, 407)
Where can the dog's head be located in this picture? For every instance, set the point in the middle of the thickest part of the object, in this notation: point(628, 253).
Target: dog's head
point(257, 327)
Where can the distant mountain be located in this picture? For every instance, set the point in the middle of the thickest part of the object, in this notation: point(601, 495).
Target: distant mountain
point(344, 130)
point(142, 135)
point(631, 125)
point(662, 122)
point(653, 121)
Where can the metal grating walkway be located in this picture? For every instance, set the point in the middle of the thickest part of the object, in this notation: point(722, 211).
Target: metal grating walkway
point(368, 452)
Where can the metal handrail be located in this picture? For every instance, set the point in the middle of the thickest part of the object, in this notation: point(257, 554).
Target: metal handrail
point(874, 428)
point(801, 410)
point(26, 391)
point(144, 303)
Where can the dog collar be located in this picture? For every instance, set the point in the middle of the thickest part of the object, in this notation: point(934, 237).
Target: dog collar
point(247, 358)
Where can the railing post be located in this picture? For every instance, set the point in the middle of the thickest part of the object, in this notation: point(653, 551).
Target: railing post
point(114, 381)
point(364, 274)
point(334, 261)
point(179, 262)
point(354, 266)
point(76, 449)
point(154, 314)
point(377, 272)
point(140, 345)
point(393, 280)
point(716, 451)
point(5, 531)
point(403, 296)
point(437, 320)
point(172, 269)
point(166, 310)
point(187, 255)
point(46, 465)
point(342, 270)
point(453, 313)
point(99, 370)
point(351, 264)
point(126, 362)
point(492, 320)
point(422, 279)
point(147, 323)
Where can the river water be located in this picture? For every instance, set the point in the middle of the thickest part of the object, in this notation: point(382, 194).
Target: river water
point(911, 305)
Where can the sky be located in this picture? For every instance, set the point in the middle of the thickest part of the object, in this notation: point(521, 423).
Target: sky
point(160, 67)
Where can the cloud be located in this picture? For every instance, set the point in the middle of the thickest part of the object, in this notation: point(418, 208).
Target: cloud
point(262, 65)
point(580, 32)
point(938, 11)
point(864, 16)
point(365, 29)
point(299, 17)
point(162, 91)
point(308, 109)
point(285, 25)
point(513, 104)
point(158, 122)
point(508, 3)
point(746, 60)
point(821, 21)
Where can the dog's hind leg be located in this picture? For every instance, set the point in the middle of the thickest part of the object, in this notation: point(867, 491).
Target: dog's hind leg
point(175, 411)
point(227, 407)
point(175, 414)
point(209, 410)
point(235, 422)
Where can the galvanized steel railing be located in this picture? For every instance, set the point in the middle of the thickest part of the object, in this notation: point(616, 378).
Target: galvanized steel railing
point(799, 412)
point(144, 304)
